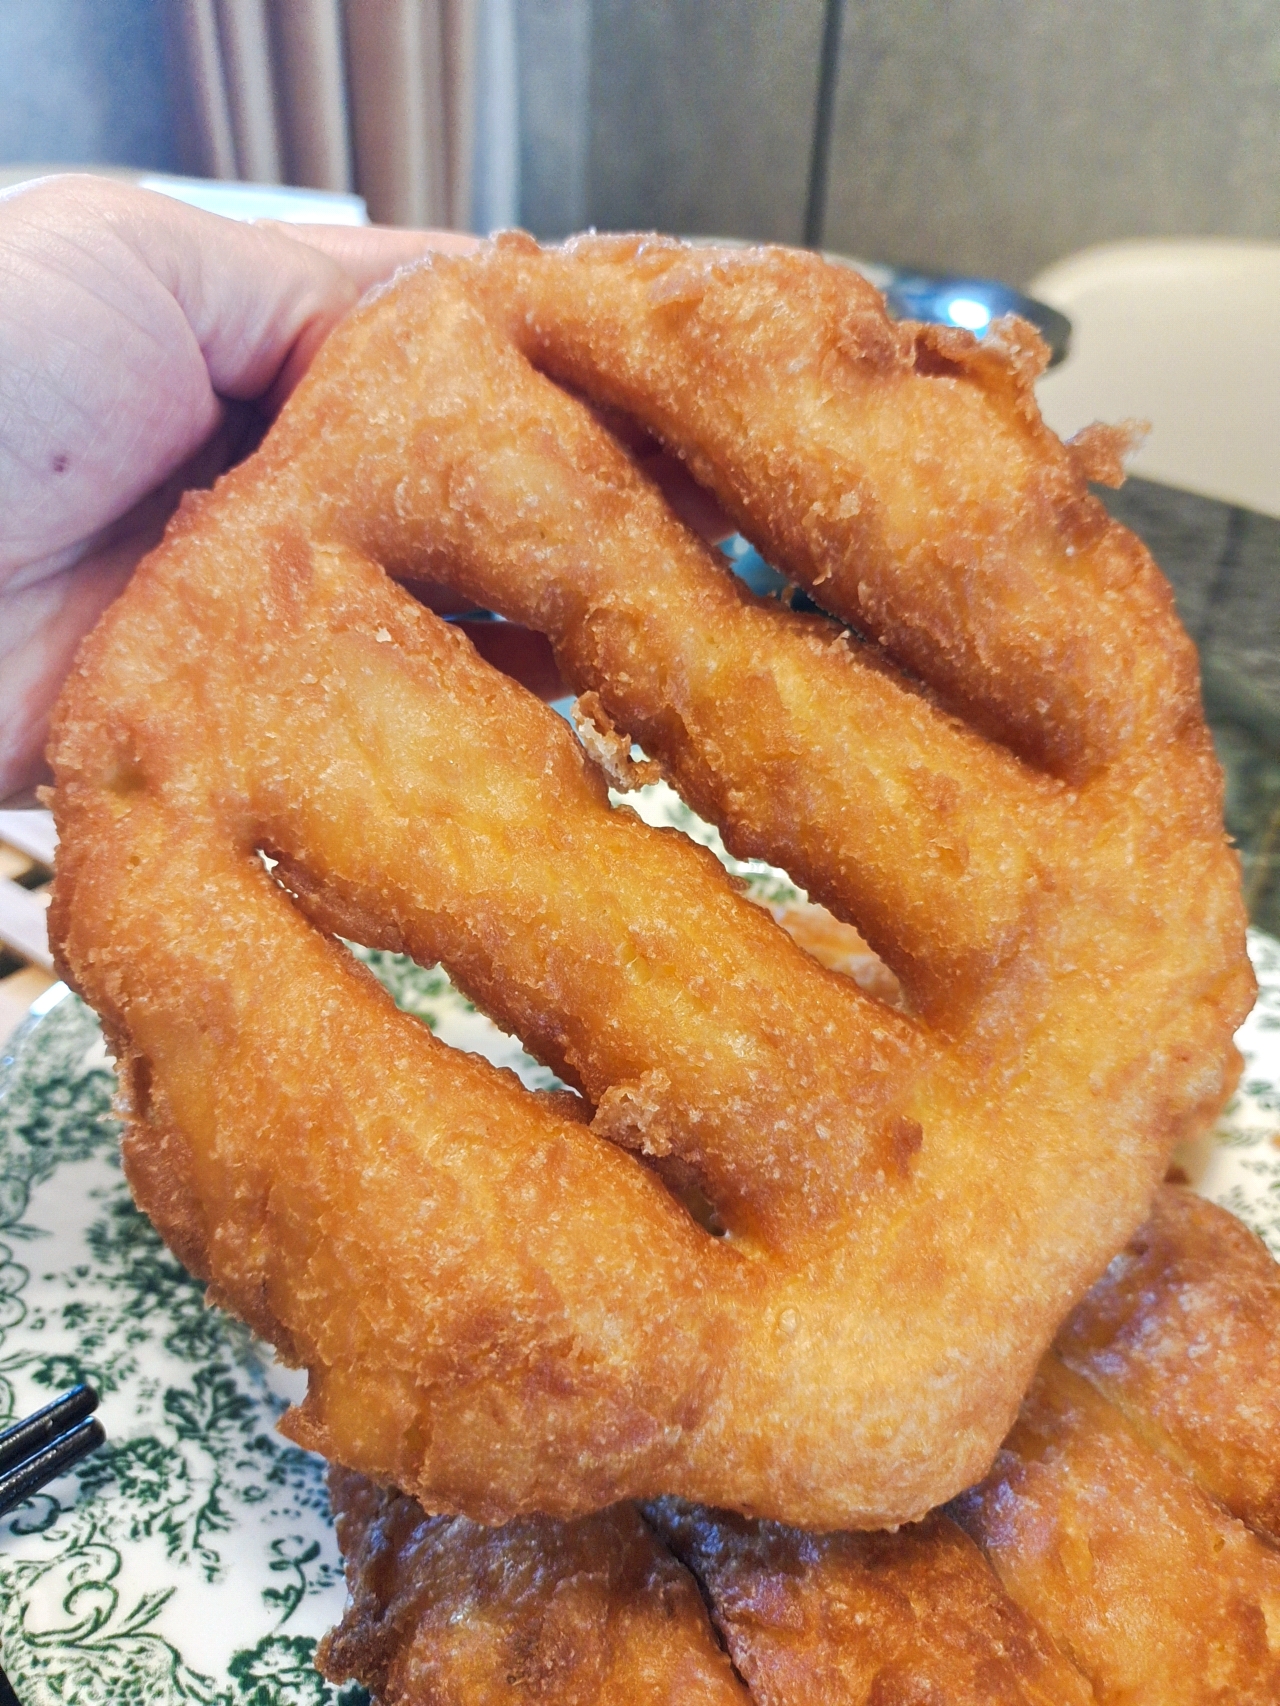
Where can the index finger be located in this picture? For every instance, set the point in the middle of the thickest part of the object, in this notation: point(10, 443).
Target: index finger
point(370, 253)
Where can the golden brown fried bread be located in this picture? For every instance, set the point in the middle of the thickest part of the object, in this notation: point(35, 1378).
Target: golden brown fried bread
point(1160, 1596)
point(1182, 1335)
point(589, 1613)
point(900, 472)
point(1098, 1515)
point(606, 1609)
point(866, 1619)
point(977, 558)
point(1117, 1578)
point(502, 1310)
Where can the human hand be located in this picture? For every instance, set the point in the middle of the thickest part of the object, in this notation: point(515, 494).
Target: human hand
point(143, 344)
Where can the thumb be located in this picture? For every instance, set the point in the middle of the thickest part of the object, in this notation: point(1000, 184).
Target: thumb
point(127, 319)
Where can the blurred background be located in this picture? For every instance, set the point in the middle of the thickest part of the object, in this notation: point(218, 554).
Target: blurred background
point(979, 136)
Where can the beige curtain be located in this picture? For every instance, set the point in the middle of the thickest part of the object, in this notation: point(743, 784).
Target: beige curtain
point(410, 103)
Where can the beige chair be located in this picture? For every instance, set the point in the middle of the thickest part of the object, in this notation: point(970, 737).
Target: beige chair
point(1184, 334)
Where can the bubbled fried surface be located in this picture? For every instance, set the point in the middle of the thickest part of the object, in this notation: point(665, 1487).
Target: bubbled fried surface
point(1159, 1595)
point(1182, 1334)
point(502, 1310)
point(866, 1619)
point(675, 1604)
point(591, 1613)
point(1129, 1511)
point(1109, 1574)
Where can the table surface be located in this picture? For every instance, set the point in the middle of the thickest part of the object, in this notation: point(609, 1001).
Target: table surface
point(1224, 565)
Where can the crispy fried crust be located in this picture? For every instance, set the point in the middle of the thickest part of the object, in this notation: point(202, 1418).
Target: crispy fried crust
point(1158, 1594)
point(866, 1619)
point(1096, 1515)
point(591, 1613)
point(900, 472)
point(1182, 1335)
point(499, 1310)
point(611, 1609)
point(1116, 1578)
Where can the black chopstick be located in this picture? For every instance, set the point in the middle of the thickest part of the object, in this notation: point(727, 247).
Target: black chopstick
point(35, 1451)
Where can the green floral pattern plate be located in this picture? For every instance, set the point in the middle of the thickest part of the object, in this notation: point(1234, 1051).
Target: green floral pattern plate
point(193, 1558)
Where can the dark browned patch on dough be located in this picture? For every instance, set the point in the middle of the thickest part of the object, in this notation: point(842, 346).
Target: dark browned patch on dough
point(905, 1138)
point(930, 363)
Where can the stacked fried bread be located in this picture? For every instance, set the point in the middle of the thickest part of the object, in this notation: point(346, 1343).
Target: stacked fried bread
point(1122, 1549)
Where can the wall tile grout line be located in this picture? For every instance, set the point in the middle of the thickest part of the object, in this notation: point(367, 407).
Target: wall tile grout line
point(815, 213)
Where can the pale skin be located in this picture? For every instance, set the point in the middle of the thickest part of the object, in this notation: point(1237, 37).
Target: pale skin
point(144, 345)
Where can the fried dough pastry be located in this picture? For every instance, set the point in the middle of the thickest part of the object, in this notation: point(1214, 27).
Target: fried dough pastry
point(595, 1612)
point(1157, 1593)
point(1134, 1531)
point(866, 1619)
point(629, 1606)
point(1007, 786)
point(1182, 1335)
point(1117, 1579)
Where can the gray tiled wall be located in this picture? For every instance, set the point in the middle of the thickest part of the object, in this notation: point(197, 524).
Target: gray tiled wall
point(993, 136)
point(84, 81)
point(702, 114)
